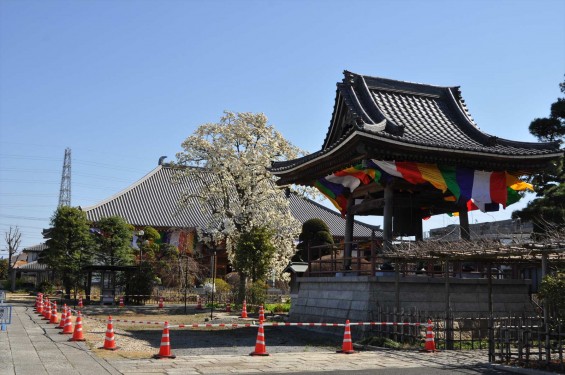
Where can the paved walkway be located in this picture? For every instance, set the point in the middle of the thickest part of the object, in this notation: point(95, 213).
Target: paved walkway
point(30, 346)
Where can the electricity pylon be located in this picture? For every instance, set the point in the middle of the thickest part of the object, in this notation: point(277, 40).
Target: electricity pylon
point(65, 190)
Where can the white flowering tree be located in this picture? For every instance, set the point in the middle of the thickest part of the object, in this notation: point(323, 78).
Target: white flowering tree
point(237, 193)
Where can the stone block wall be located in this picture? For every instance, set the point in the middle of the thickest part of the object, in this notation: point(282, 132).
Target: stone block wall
point(335, 299)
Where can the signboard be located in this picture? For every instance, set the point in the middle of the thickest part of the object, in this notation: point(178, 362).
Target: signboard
point(5, 314)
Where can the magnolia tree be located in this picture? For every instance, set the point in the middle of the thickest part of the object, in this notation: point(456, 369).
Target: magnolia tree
point(237, 193)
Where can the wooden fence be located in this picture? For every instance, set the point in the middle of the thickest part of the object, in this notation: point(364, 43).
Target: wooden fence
point(519, 340)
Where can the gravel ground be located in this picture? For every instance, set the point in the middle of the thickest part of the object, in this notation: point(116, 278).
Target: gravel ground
point(143, 340)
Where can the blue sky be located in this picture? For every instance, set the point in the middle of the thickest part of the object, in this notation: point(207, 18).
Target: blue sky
point(123, 82)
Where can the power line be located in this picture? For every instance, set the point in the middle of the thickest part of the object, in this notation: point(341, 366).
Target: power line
point(24, 217)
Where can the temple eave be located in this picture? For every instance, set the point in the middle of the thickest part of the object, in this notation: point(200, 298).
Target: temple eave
point(359, 148)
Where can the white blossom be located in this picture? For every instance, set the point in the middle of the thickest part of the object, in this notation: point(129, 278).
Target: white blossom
point(231, 159)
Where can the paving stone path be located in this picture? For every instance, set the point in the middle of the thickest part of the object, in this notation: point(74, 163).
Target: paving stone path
point(30, 346)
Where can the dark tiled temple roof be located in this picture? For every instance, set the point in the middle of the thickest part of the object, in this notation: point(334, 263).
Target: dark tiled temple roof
point(415, 117)
point(35, 248)
point(153, 201)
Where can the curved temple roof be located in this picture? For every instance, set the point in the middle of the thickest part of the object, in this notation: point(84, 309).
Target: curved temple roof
point(154, 201)
point(395, 120)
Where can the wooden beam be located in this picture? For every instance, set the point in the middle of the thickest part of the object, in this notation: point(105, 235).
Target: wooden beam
point(367, 206)
point(363, 191)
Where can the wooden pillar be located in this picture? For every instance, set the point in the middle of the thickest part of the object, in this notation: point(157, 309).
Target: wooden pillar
point(397, 285)
point(387, 217)
point(373, 254)
point(419, 235)
point(544, 272)
point(449, 334)
point(489, 276)
point(464, 224)
point(349, 221)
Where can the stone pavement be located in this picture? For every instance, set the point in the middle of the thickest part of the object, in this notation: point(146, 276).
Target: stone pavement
point(30, 346)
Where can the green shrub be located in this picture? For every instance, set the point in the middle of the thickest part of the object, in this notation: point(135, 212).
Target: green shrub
point(257, 293)
point(551, 291)
point(46, 287)
point(278, 307)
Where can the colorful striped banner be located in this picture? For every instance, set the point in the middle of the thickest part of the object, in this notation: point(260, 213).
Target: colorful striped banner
point(484, 190)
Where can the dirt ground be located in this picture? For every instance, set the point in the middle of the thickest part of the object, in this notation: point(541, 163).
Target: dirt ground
point(141, 338)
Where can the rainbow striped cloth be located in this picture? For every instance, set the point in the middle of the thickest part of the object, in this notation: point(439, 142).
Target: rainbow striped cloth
point(483, 190)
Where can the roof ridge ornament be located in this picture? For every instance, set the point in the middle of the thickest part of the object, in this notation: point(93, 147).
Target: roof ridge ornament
point(375, 128)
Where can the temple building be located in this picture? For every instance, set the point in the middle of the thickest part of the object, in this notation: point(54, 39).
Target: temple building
point(154, 201)
point(407, 151)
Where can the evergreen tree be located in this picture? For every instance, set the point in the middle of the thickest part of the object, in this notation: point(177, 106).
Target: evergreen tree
point(69, 246)
point(113, 238)
point(547, 212)
point(315, 236)
point(255, 253)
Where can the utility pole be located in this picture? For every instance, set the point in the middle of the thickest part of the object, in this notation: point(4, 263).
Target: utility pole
point(65, 190)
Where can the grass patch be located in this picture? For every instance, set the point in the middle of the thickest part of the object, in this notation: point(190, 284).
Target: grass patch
point(382, 342)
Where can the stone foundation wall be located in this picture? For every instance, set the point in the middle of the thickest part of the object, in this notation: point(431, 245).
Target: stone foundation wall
point(335, 299)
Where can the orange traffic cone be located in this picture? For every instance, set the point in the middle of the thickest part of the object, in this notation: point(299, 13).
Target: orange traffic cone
point(165, 349)
point(37, 299)
point(161, 302)
point(121, 301)
point(228, 307)
point(199, 304)
point(244, 310)
point(77, 333)
point(347, 346)
point(109, 342)
point(54, 317)
point(47, 310)
point(260, 348)
point(80, 305)
point(39, 307)
point(63, 317)
point(430, 345)
point(68, 327)
point(261, 314)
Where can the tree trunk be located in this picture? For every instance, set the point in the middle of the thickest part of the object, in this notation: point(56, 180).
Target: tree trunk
point(242, 287)
point(12, 280)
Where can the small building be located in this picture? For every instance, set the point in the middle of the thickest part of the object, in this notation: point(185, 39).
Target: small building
point(506, 231)
point(31, 271)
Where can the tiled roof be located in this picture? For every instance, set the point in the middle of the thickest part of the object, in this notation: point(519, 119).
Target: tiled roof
point(35, 248)
point(426, 115)
point(413, 116)
point(33, 266)
point(153, 201)
point(305, 209)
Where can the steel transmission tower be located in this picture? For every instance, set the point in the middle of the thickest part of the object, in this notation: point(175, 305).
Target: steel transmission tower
point(65, 190)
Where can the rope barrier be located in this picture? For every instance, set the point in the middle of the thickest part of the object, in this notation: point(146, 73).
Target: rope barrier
point(254, 324)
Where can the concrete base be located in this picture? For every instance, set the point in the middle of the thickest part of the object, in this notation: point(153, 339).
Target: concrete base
point(335, 299)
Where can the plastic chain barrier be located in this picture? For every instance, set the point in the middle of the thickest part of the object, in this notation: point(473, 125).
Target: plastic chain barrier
point(253, 324)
